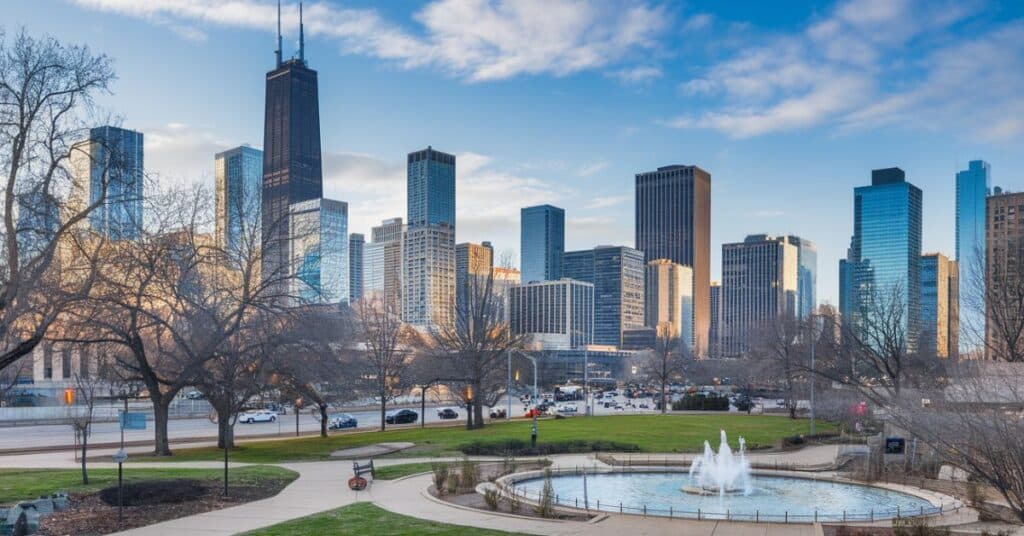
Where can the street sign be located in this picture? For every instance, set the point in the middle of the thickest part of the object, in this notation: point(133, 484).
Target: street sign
point(133, 421)
point(120, 456)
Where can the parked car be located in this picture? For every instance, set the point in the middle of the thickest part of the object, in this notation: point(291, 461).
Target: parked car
point(401, 416)
point(534, 412)
point(447, 413)
point(568, 409)
point(498, 413)
point(194, 395)
point(259, 415)
point(644, 405)
point(340, 421)
point(280, 409)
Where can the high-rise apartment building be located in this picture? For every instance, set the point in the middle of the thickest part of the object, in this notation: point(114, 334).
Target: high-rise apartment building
point(885, 256)
point(428, 299)
point(292, 171)
point(319, 251)
point(617, 273)
point(1004, 269)
point(382, 262)
point(715, 331)
point(473, 264)
point(356, 243)
point(555, 315)
point(673, 221)
point(759, 285)
point(238, 183)
point(973, 185)
point(940, 299)
point(108, 166)
point(541, 242)
point(669, 299)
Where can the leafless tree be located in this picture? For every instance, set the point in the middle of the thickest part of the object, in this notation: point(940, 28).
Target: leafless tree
point(781, 344)
point(476, 345)
point(87, 390)
point(387, 343)
point(11, 376)
point(45, 89)
point(665, 363)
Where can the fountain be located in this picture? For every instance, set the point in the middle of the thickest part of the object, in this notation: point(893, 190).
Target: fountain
point(722, 473)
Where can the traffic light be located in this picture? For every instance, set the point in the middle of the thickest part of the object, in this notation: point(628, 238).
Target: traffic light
point(69, 397)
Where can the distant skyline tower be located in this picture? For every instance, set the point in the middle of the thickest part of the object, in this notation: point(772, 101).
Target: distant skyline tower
point(939, 306)
point(673, 221)
point(382, 262)
point(112, 156)
point(473, 265)
point(541, 242)
point(428, 298)
point(319, 250)
point(617, 273)
point(38, 222)
point(807, 275)
point(886, 248)
point(759, 285)
point(291, 149)
point(973, 185)
point(669, 299)
point(715, 331)
point(356, 244)
point(238, 184)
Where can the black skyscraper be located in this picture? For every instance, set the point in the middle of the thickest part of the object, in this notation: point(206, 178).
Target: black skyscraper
point(291, 150)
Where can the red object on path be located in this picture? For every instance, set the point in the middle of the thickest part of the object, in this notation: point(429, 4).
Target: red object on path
point(357, 483)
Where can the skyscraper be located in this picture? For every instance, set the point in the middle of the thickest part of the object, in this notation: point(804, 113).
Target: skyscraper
point(555, 315)
point(111, 159)
point(669, 299)
point(356, 242)
point(238, 181)
point(541, 242)
point(972, 186)
point(759, 285)
point(473, 264)
point(1004, 269)
point(673, 221)
point(428, 299)
point(319, 251)
point(715, 331)
point(807, 275)
point(291, 151)
point(939, 306)
point(885, 255)
point(617, 273)
point(382, 262)
point(38, 222)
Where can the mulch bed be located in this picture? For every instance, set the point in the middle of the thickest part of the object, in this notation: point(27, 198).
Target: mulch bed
point(88, 515)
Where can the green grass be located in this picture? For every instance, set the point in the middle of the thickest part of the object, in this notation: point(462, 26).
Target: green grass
point(21, 484)
point(365, 518)
point(651, 433)
point(392, 472)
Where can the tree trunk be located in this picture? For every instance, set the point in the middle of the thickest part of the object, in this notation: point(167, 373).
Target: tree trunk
point(469, 415)
point(478, 413)
point(423, 407)
point(383, 408)
point(225, 435)
point(85, 451)
point(664, 405)
point(161, 411)
point(323, 419)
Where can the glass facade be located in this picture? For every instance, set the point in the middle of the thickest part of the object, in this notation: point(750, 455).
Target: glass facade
point(541, 242)
point(319, 251)
point(939, 306)
point(431, 187)
point(669, 299)
point(428, 280)
point(886, 246)
point(114, 159)
point(973, 185)
point(617, 273)
point(759, 284)
point(807, 275)
point(356, 243)
point(238, 177)
point(38, 223)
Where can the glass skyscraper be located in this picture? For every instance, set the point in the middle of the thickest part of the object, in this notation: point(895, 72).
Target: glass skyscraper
point(356, 243)
point(939, 306)
point(673, 221)
point(428, 299)
point(541, 242)
point(617, 273)
point(112, 157)
point(973, 185)
point(38, 223)
point(886, 248)
point(807, 275)
point(238, 179)
point(319, 251)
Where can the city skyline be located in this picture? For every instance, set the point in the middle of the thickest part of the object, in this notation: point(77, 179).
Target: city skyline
point(183, 135)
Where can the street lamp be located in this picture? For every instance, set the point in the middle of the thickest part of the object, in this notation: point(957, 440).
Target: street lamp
point(533, 428)
point(814, 326)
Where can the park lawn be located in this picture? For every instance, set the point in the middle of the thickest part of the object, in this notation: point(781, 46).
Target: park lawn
point(392, 472)
point(650, 433)
point(365, 518)
point(21, 484)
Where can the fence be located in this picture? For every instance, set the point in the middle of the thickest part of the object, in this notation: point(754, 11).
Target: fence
point(581, 503)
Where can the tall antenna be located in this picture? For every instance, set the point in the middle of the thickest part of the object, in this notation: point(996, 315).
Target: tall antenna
point(302, 39)
point(278, 51)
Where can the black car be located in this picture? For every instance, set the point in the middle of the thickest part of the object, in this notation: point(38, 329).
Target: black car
point(446, 413)
point(402, 416)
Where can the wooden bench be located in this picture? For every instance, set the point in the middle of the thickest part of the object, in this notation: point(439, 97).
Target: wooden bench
point(362, 469)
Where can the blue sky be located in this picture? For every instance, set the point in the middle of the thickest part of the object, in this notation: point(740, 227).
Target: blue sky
point(788, 105)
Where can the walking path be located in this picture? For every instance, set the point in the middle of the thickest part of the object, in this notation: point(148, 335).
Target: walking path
point(321, 487)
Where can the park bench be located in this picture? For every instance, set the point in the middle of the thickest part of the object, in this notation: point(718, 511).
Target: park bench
point(362, 469)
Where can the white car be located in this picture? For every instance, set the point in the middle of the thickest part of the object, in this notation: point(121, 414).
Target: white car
point(260, 415)
point(567, 409)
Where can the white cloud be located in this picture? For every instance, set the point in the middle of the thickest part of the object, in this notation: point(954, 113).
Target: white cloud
point(637, 75)
point(592, 168)
point(608, 201)
point(477, 40)
point(181, 153)
point(868, 63)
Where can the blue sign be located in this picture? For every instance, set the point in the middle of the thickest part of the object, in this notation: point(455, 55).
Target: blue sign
point(133, 421)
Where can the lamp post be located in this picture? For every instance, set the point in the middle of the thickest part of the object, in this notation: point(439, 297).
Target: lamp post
point(533, 427)
point(298, 406)
point(508, 388)
point(814, 337)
